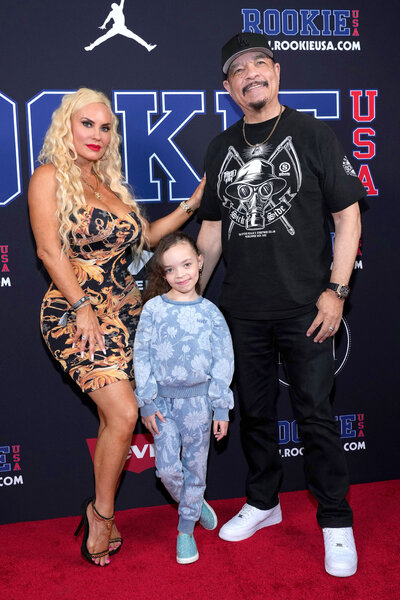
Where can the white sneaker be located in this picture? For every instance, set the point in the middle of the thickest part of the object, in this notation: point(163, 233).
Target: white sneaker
point(340, 551)
point(249, 520)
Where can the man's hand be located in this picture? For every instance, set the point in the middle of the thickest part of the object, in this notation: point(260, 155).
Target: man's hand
point(330, 310)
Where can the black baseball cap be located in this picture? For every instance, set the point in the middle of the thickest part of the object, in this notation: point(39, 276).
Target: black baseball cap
point(243, 42)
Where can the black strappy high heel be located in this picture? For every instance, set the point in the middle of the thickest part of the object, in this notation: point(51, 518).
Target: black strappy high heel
point(115, 540)
point(85, 524)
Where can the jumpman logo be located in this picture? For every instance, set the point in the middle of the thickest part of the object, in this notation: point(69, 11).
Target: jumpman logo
point(118, 27)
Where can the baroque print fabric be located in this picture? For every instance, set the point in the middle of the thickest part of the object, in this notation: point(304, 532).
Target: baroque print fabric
point(100, 258)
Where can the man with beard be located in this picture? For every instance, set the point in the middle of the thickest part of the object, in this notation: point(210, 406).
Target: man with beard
point(273, 180)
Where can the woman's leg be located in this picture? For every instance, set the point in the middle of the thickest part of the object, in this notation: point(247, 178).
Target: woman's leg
point(115, 533)
point(118, 414)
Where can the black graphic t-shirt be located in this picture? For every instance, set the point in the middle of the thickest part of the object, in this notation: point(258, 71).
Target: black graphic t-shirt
point(274, 200)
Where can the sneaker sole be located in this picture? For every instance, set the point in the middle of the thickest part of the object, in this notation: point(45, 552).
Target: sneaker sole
point(214, 515)
point(341, 572)
point(271, 520)
point(187, 561)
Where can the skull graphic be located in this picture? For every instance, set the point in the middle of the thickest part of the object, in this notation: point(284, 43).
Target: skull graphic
point(254, 187)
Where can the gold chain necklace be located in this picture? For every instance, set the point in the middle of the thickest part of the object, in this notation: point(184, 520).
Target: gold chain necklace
point(269, 135)
point(96, 189)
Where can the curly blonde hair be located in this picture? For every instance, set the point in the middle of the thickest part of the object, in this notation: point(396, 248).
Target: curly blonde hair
point(58, 149)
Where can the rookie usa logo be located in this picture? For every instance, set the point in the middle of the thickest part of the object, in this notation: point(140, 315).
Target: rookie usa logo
point(352, 432)
point(10, 465)
point(325, 25)
point(146, 144)
point(5, 280)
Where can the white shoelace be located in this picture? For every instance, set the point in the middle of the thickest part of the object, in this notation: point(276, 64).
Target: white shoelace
point(340, 537)
point(246, 512)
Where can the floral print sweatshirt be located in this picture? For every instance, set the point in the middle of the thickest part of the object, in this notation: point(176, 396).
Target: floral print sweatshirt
point(181, 350)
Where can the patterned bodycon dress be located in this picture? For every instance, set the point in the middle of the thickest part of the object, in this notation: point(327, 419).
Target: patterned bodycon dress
point(100, 259)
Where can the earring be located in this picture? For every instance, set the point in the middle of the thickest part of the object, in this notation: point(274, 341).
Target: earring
point(73, 153)
point(200, 270)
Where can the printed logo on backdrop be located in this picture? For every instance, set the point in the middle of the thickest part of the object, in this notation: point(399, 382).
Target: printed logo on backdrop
point(138, 268)
point(10, 166)
point(364, 113)
point(141, 452)
point(148, 142)
point(10, 466)
point(118, 27)
point(352, 432)
point(5, 279)
point(315, 30)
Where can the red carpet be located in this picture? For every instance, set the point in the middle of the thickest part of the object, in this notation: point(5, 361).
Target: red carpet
point(41, 561)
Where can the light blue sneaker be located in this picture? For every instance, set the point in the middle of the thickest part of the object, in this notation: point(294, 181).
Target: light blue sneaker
point(186, 549)
point(208, 518)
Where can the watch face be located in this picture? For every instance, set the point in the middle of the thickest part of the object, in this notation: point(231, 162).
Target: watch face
point(343, 290)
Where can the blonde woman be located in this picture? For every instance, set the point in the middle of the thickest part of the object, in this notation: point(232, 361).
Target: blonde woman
point(84, 221)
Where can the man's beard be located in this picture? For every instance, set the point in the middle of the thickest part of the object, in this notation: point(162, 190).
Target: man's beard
point(258, 105)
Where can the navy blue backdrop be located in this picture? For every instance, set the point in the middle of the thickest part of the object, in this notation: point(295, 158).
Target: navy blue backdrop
point(338, 62)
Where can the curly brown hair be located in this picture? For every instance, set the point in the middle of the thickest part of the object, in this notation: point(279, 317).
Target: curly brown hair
point(156, 282)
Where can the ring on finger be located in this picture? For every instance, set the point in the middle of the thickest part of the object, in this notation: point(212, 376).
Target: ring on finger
point(331, 328)
point(84, 337)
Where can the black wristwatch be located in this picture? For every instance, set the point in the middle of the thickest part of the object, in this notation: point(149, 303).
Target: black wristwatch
point(342, 291)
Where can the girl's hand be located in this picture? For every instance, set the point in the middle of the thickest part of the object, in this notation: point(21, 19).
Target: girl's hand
point(88, 331)
point(220, 429)
point(151, 424)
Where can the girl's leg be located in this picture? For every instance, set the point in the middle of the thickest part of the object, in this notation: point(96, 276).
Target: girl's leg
point(193, 417)
point(167, 450)
point(118, 414)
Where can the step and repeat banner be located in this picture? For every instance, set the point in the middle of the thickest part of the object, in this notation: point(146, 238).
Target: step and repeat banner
point(159, 62)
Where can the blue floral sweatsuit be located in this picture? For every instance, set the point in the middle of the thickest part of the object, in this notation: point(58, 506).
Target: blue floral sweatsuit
point(183, 361)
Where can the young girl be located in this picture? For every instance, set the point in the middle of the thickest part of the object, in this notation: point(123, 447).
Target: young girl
point(183, 366)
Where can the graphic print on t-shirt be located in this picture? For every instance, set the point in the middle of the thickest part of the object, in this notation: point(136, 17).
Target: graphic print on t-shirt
point(259, 192)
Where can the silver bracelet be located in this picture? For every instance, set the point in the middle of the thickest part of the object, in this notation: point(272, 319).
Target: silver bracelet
point(82, 305)
point(78, 304)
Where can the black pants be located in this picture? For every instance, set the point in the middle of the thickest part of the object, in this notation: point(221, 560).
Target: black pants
point(310, 371)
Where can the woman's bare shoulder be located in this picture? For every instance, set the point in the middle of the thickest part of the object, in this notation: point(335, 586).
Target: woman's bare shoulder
point(44, 177)
point(44, 173)
point(43, 185)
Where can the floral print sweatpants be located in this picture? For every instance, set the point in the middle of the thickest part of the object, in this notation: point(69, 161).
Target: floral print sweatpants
point(181, 450)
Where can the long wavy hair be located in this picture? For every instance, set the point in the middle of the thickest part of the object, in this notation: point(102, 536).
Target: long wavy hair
point(156, 282)
point(58, 149)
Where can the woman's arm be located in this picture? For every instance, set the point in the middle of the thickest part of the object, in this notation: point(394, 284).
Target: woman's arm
point(175, 219)
point(42, 209)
